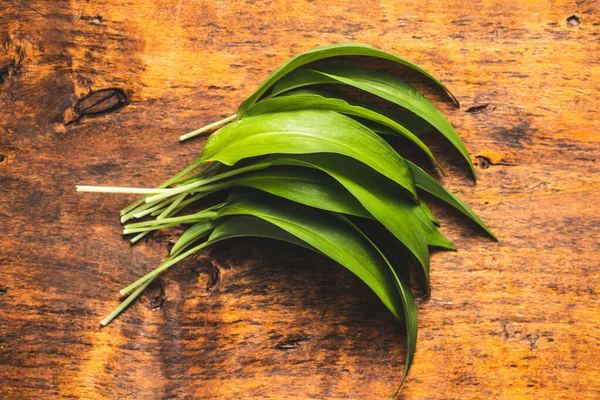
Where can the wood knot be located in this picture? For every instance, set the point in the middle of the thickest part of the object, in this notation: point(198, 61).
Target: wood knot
point(477, 109)
point(92, 19)
point(154, 295)
point(98, 102)
point(573, 20)
point(487, 158)
point(213, 274)
point(12, 59)
point(290, 344)
point(483, 162)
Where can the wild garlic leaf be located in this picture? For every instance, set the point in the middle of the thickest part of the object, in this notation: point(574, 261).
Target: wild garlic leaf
point(301, 185)
point(433, 235)
point(236, 226)
point(314, 101)
point(331, 234)
point(311, 187)
point(328, 52)
point(357, 253)
point(380, 196)
point(192, 234)
point(425, 182)
point(303, 132)
point(409, 307)
point(410, 121)
point(385, 86)
point(429, 214)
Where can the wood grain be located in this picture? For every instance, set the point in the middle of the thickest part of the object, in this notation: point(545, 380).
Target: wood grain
point(258, 319)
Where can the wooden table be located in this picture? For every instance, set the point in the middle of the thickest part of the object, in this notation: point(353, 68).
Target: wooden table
point(259, 319)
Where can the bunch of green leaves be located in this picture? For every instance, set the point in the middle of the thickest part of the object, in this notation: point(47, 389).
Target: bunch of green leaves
point(314, 169)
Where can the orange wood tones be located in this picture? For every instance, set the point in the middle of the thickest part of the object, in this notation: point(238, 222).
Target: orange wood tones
point(259, 319)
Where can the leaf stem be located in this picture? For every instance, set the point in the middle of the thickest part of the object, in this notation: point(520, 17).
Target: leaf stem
point(140, 212)
point(125, 303)
point(113, 189)
point(207, 128)
point(206, 214)
point(151, 275)
point(148, 229)
point(188, 188)
point(174, 179)
point(172, 206)
point(139, 236)
point(158, 209)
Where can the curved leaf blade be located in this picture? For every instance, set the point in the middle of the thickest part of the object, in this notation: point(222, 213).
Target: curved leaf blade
point(244, 225)
point(311, 187)
point(410, 121)
point(429, 214)
point(241, 225)
point(408, 305)
point(303, 132)
point(425, 182)
point(332, 235)
point(306, 186)
point(195, 232)
point(313, 101)
point(378, 195)
point(431, 231)
point(385, 86)
point(327, 52)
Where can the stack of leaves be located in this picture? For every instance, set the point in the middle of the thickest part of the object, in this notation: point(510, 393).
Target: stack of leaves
point(314, 169)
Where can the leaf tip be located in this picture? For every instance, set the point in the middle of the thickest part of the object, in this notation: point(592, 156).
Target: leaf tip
point(455, 100)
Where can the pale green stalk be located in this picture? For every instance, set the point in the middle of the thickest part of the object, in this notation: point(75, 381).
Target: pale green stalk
point(174, 179)
point(114, 189)
point(172, 206)
point(206, 214)
point(125, 303)
point(139, 237)
point(144, 209)
point(208, 128)
point(151, 275)
point(182, 204)
point(189, 187)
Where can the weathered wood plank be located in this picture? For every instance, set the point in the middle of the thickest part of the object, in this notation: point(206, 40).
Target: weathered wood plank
point(258, 319)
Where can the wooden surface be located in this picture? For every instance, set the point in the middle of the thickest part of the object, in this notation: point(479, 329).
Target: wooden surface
point(257, 319)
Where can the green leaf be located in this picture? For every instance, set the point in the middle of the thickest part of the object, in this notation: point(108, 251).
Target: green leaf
point(410, 322)
point(379, 84)
point(429, 214)
point(301, 185)
point(427, 183)
point(377, 128)
point(330, 234)
point(244, 225)
point(410, 121)
point(433, 235)
point(328, 52)
point(314, 101)
point(316, 189)
point(417, 125)
point(377, 194)
point(334, 237)
point(195, 232)
point(302, 132)
point(398, 255)
point(410, 313)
